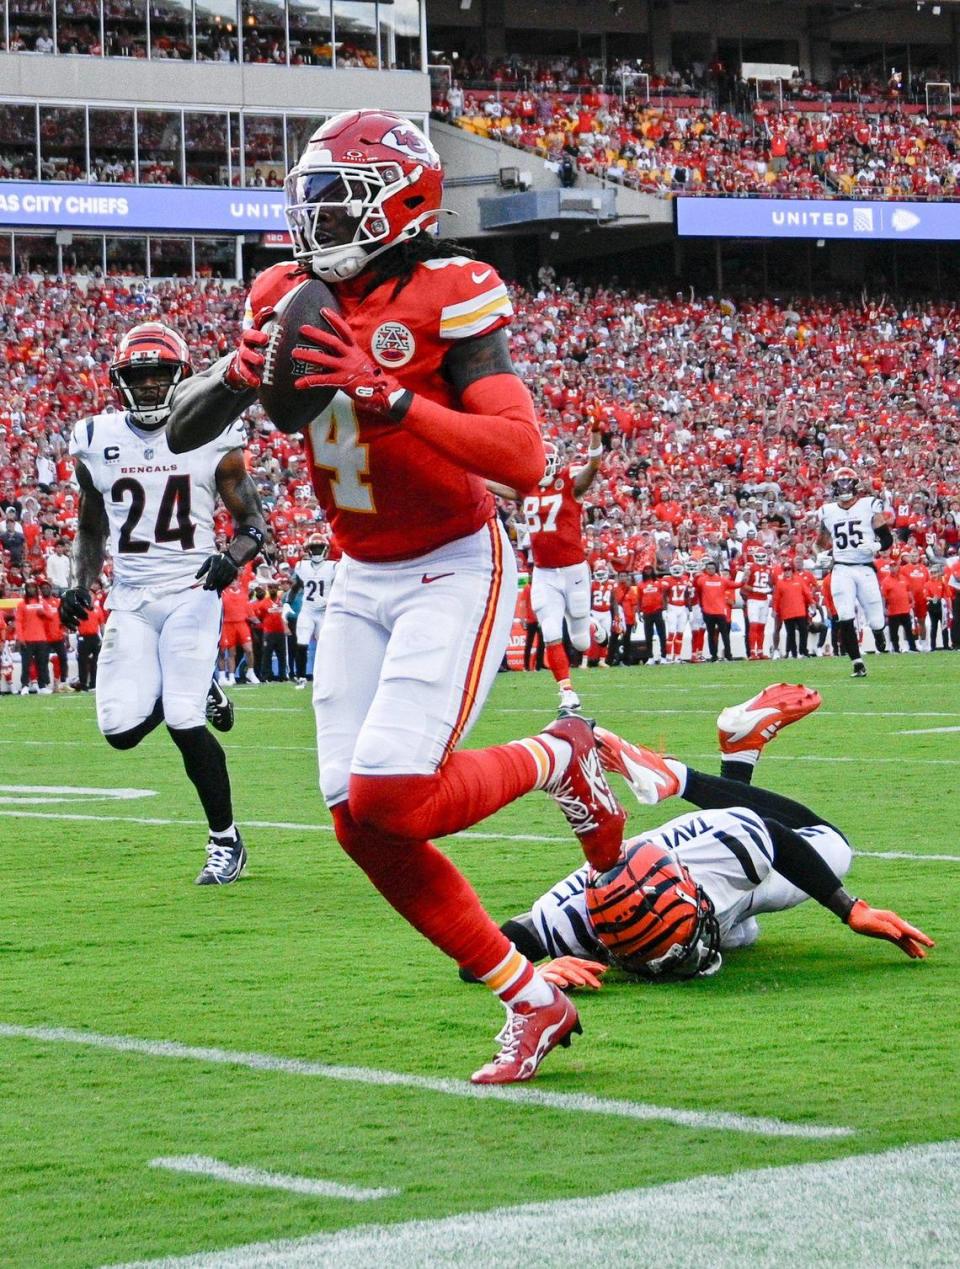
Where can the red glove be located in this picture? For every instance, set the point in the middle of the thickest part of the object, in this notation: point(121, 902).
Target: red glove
point(245, 370)
point(571, 971)
point(342, 363)
point(879, 924)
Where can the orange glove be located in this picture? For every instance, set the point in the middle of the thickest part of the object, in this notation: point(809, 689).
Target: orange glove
point(571, 971)
point(879, 924)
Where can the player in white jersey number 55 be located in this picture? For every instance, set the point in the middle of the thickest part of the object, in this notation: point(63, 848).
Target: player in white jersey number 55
point(156, 507)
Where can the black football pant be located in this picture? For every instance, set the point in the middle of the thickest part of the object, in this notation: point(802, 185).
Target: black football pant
point(88, 650)
point(273, 644)
point(955, 623)
point(717, 628)
point(796, 628)
point(36, 654)
point(718, 793)
point(902, 622)
point(653, 623)
point(937, 620)
point(60, 649)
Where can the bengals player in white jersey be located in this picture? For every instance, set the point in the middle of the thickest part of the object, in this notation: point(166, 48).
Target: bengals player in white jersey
point(428, 410)
point(854, 529)
point(690, 890)
point(314, 576)
point(157, 508)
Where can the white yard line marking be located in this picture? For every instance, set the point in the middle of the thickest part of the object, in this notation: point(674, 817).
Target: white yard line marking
point(574, 1103)
point(925, 731)
point(900, 1207)
point(467, 834)
point(203, 1165)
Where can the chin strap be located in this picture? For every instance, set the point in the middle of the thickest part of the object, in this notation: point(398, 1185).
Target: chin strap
point(333, 271)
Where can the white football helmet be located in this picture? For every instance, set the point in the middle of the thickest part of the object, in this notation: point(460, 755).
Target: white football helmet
point(552, 454)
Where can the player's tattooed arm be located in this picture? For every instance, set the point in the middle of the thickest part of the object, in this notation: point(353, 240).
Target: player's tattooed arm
point(472, 359)
point(90, 544)
point(240, 497)
point(203, 406)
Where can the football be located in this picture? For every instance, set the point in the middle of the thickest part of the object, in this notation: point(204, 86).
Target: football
point(289, 409)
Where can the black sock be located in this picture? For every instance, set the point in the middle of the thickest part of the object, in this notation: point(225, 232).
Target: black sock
point(733, 769)
point(880, 639)
point(301, 660)
point(206, 764)
point(848, 640)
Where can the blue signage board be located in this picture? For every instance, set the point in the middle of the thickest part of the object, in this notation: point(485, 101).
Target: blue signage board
point(155, 208)
point(816, 218)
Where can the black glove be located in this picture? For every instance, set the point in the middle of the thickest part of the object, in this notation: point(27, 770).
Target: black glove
point(75, 606)
point(218, 571)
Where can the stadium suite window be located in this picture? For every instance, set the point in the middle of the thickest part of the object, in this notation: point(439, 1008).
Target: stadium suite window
point(214, 257)
point(125, 27)
point(263, 151)
point(300, 128)
point(171, 30)
point(18, 142)
point(205, 138)
point(6, 253)
point(63, 143)
point(355, 33)
point(30, 23)
point(82, 256)
point(171, 257)
point(127, 255)
point(311, 33)
point(35, 253)
point(216, 22)
point(400, 35)
point(79, 29)
point(264, 31)
point(160, 147)
point(112, 146)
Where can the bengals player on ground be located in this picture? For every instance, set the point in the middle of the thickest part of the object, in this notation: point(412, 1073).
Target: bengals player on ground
point(428, 409)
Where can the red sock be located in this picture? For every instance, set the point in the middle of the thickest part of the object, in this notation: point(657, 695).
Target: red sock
point(472, 784)
point(428, 891)
point(698, 637)
point(558, 662)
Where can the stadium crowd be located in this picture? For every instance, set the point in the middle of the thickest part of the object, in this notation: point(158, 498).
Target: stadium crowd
point(722, 422)
point(699, 149)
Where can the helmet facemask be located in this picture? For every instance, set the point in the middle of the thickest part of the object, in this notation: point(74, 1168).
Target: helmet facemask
point(552, 455)
point(146, 389)
point(358, 190)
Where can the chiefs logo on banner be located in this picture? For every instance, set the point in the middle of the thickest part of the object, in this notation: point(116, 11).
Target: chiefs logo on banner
point(518, 631)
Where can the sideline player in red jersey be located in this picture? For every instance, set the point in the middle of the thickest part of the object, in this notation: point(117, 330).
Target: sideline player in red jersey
point(561, 576)
point(756, 584)
point(677, 613)
point(428, 409)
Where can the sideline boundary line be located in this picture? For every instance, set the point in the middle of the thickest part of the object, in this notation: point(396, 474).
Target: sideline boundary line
point(467, 834)
point(575, 1103)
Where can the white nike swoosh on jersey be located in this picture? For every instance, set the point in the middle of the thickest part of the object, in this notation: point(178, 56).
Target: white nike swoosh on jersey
point(481, 277)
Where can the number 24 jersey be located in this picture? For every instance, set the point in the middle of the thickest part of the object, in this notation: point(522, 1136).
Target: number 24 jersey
point(159, 504)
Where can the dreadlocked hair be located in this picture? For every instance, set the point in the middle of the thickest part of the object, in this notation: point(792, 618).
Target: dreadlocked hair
point(401, 261)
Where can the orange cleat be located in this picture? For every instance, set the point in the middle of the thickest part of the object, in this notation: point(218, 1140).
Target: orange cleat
point(582, 792)
point(528, 1035)
point(752, 724)
point(645, 771)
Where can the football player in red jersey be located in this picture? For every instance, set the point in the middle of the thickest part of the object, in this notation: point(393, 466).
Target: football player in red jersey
point(428, 409)
point(677, 613)
point(756, 584)
point(561, 577)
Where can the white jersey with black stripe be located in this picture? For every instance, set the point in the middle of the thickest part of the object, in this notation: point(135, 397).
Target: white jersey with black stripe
point(728, 852)
point(852, 535)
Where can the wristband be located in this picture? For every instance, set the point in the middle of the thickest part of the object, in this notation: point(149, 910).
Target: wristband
point(841, 904)
point(595, 453)
point(250, 531)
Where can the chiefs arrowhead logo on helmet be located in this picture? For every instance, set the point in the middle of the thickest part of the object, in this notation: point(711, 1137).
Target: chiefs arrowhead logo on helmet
point(652, 917)
point(367, 181)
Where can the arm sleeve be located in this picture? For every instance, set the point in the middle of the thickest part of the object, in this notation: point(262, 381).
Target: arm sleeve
point(495, 436)
point(795, 859)
point(884, 537)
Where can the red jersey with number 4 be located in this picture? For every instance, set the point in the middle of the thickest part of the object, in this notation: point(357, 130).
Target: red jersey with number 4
point(387, 494)
point(554, 520)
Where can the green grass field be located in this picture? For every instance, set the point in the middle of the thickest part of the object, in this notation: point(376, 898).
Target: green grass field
point(103, 932)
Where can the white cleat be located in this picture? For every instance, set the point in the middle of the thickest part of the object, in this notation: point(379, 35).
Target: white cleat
point(569, 699)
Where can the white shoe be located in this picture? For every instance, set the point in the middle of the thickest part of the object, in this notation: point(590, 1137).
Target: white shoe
point(252, 678)
point(24, 691)
point(569, 699)
point(300, 684)
point(228, 680)
point(45, 691)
